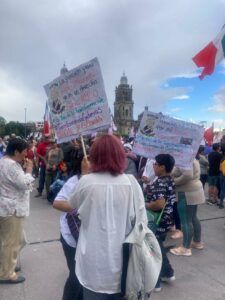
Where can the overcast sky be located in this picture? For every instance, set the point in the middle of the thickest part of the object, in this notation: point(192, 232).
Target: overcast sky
point(153, 41)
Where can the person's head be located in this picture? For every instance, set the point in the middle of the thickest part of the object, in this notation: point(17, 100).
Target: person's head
point(107, 155)
point(77, 144)
point(17, 149)
point(127, 147)
point(53, 143)
point(46, 138)
point(65, 167)
point(164, 164)
point(216, 147)
point(30, 145)
point(201, 151)
point(13, 136)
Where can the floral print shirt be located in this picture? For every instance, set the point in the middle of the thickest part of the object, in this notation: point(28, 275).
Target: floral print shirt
point(15, 187)
point(163, 187)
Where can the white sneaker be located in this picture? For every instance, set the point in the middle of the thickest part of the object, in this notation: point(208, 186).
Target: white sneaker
point(158, 289)
point(168, 279)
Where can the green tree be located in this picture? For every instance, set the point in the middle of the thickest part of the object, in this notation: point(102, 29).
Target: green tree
point(15, 127)
point(2, 126)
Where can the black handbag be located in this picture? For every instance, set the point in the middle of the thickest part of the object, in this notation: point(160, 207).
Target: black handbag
point(74, 223)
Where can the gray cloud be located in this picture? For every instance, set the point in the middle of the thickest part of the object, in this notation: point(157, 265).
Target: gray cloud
point(150, 40)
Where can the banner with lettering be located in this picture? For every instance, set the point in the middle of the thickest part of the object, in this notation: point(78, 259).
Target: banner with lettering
point(78, 103)
point(162, 134)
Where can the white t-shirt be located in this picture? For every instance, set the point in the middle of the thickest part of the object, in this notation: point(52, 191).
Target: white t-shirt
point(64, 194)
point(106, 209)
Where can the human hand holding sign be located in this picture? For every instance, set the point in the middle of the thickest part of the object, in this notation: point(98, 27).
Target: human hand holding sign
point(85, 166)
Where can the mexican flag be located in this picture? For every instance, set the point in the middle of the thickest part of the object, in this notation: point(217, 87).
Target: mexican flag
point(208, 135)
point(211, 55)
point(46, 129)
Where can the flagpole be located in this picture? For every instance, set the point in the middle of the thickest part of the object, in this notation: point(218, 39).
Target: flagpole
point(83, 146)
point(25, 126)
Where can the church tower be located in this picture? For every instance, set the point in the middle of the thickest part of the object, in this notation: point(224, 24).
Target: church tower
point(123, 107)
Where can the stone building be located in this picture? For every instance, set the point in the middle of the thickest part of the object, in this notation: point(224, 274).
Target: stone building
point(123, 107)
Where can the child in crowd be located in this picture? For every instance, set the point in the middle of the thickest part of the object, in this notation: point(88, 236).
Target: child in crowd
point(62, 176)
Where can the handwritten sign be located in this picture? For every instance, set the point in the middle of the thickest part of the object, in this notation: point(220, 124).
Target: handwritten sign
point(78, 103)
point(162, 134)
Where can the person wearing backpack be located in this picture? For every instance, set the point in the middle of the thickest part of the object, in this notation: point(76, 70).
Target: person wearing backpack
point(222, 183)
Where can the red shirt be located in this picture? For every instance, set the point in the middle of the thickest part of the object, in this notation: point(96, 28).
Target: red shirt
point(41, 150)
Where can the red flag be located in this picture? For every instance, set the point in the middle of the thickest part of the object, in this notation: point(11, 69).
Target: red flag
point(208, 136)
point(211, 55)
point(206, 59)
point(46, 121)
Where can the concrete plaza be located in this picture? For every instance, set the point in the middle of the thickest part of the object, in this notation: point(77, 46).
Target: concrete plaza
point(199, 277)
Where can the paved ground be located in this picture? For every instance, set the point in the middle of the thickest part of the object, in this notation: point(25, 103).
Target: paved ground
point(200, 277)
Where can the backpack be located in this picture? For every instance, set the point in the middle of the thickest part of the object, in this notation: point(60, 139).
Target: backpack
point(222, 167)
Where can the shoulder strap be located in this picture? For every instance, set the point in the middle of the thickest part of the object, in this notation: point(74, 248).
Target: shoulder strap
point(161, 213)
point(138, 200)
point(133, 186)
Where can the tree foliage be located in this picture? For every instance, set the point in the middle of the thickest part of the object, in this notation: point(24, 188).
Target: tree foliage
point(14, 127)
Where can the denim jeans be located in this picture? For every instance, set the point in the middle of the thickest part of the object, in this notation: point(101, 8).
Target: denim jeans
point(41, 180)
point(190, 223)
point(203, 179)
point(72, 288)
point(90, 295)
point(222, 188)
point(166, 270)
point(176, 217)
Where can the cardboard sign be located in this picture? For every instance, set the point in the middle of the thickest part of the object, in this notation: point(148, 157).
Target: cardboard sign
point(162, 134)
point(78, 103)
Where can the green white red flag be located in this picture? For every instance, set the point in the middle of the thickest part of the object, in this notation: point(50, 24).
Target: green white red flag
point(208, 135)
point(211, 55)
point(46, 129)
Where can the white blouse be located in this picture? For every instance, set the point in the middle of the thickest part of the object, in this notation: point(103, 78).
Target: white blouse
point(15, 187)
point(106, 208)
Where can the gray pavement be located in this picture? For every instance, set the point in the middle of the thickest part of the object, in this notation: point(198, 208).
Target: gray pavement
point(201, 276)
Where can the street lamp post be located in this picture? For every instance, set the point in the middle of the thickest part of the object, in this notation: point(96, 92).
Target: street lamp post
point(25, 126)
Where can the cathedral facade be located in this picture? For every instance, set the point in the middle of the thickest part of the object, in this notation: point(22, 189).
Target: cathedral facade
point(123, 107)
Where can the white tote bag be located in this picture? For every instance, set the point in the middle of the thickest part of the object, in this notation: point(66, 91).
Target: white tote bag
point(145, 259)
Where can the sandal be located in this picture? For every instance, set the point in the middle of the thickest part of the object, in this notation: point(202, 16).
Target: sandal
point(178, 234)
point(181, 251)
point(18, 279)
point(197, 245)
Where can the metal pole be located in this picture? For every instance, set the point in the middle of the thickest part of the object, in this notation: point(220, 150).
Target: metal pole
point(25, 127)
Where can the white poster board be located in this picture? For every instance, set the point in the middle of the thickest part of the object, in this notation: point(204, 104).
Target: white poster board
point(78, 103)
point(162, 134)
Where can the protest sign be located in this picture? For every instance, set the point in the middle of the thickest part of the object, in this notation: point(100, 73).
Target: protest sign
point(162, 134)
point(77, 102)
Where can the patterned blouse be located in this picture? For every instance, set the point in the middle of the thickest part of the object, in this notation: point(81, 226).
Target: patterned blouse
point(15, 187)
point(163, 187)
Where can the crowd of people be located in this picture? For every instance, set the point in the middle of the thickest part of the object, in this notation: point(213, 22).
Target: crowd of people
point(97, 192)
